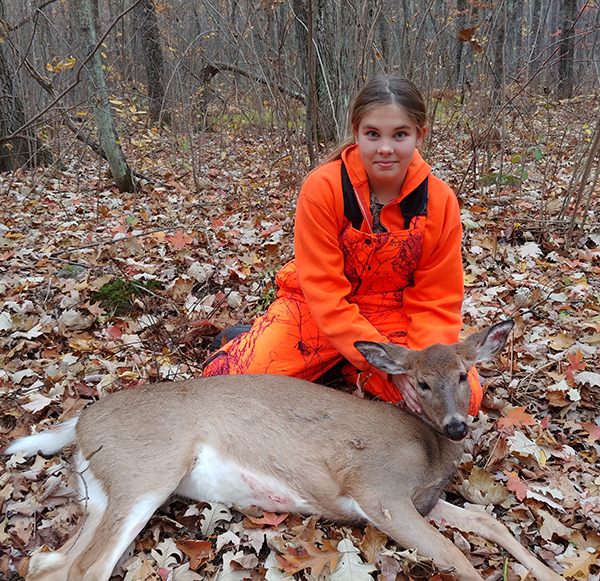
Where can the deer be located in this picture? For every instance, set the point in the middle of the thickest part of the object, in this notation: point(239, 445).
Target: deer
point(282, 444)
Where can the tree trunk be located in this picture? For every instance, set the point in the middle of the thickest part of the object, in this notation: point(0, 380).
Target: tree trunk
point(99, 95)
point(566, 62)
point(535, 38)
point(499, 56)
point(461, 10)
point(153, 60)
point(24, 150)
point(301, 25)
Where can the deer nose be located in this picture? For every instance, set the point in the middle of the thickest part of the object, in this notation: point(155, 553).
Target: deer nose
point(456, 430)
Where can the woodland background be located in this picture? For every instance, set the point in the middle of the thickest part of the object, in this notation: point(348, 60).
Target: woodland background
point(151, 153)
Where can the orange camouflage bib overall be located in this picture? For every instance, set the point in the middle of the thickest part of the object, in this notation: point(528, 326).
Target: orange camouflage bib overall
point(287, 340)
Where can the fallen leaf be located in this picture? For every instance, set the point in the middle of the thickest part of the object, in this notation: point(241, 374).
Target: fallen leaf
point(231, 572)
point(199, 552)
point(180, 239)
point(516, 485)
point(575, 363)
point(38, 402)
point(268, 519)
point(213, 514)
point(552, 526)
point(515, 417)
point(95, 308)
point(589, 377)
point(530, 250)
point(311, 558)
point(593, 430)
point(481, 488)
point(166, 554)
point(351, 565)
point(561, 342)
point(372, 543)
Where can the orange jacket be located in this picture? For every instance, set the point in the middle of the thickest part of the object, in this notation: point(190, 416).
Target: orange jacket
point(432, 303)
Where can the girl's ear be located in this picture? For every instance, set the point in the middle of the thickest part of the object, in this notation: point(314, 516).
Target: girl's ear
point(421, 131)
point(354, 133)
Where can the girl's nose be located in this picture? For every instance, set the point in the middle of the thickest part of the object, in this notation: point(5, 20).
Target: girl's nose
point(385, 147)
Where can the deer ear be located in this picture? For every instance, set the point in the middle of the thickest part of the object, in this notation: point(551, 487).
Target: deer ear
point(387, 357)
point(487, 343)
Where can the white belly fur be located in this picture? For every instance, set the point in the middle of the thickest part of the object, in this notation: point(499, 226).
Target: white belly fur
point(218, 479)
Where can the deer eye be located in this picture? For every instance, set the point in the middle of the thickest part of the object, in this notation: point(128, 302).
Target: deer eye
point(463, 377)
point(423, 386)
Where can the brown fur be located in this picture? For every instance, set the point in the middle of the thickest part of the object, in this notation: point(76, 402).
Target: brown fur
point(326, 446)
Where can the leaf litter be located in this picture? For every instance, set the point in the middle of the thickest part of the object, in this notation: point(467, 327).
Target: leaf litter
point(184, 264)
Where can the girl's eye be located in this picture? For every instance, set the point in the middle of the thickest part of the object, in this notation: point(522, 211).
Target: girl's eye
point(372, 134)
point(400, 135)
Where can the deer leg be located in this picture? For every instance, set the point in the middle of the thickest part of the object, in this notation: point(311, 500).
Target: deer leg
point(411, 531)
point(489, 528)
point(55, 565)
point(111, 520)
point(123, 519)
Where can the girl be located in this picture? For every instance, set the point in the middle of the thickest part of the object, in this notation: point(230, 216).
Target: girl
point(378, 257)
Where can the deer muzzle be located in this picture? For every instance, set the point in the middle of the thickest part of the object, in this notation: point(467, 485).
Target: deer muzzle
point(456, 430)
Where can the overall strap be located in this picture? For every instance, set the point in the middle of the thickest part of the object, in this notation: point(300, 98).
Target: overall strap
point(351, 207)
point(415, 204)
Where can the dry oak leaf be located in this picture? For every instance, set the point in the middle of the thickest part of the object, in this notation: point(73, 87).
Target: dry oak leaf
point(516, 485)
point(4, 536)
point(231, 569)
point(38, 402)
point(580, 564)
point(311, 557)
point(227, 538)
point(588, 377)
point(268, 519)
point(552, 526)
point(515, 417)
point(561, 342)
point(179, 239)
point(166, 554)
point(213, 514)
point(199, 552)
point(95, 309)
point(481, 488)
point(140, 570)
point(593, 430)
point(372, 543)
point(389, 568)
point(521, 444)
point(351, 565)
point(184, 573)
point(308, 531)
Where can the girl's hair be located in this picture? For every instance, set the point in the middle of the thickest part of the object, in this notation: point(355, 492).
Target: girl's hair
point(380, 91)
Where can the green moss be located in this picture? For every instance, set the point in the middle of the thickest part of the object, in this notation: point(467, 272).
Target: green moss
point(505, 179)
point(116, 296)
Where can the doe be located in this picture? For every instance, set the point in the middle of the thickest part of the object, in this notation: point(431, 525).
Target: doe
point(285, 445)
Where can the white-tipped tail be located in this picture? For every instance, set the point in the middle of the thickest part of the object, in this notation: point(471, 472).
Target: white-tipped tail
point(47, 442)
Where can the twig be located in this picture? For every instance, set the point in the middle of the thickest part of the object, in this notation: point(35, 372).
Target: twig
point(31, 121)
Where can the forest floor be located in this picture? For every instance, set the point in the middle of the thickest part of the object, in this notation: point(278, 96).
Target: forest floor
point(101, 291)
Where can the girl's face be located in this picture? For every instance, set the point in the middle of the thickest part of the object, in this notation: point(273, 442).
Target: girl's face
point(386, 138)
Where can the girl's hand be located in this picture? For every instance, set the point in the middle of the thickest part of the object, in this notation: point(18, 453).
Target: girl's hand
point(409, 394)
